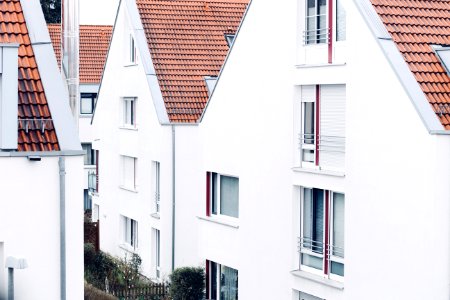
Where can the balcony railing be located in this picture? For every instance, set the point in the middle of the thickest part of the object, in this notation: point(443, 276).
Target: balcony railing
point(316, 36)
point(35, 124)
point(327, 143)
point(92, 181)
point(319, 247)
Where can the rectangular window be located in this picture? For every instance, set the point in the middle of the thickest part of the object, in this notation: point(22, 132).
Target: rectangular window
point(157, 253)
point(316, 22)
point(87, 102)
point(222, 282)
point(132, 50)
point(156, 185)
point(129, 112)
point(223, 195)
point(305, 296)
point(89, 157)
point(87, 200)
point(340, 21)
point(322, 232)
point(129, 172)
point(130, 232)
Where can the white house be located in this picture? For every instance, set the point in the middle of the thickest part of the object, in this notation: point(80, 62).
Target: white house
point(162, 63)
point(42, 162)
point(94, 44)
point(326, 154)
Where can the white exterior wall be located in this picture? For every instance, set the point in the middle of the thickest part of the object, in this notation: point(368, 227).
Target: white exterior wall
point(150, 142)
point(247, 132)
point(30, 226)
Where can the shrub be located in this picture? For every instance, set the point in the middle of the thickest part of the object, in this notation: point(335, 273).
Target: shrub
point(187, 283)
point(92, 293)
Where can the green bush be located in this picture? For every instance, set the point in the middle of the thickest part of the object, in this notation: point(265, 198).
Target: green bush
point(92, 293)
point(187, 283)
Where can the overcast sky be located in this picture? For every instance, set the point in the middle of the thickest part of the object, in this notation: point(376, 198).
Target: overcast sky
point(98, 12)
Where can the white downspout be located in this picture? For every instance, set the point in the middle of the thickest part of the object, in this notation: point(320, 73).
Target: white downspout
point(62, 226)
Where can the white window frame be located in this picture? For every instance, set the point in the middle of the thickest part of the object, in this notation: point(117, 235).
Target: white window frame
point(304, 146)
point(319, 36)
point(157, 253)
point(326, 243)
point(129, 112)
point(156, 183)
point(130, 232)
point(133, 165)
point(215, 183)
point(132, 50)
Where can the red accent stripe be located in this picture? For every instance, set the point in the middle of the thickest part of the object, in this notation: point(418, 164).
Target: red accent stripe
point(327, 232)
point(208, 194)
point(317, 123)
point(330, 31)
point(208, 296)
point(96, 170)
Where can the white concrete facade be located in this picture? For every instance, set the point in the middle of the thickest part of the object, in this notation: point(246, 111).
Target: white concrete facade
point(395, 178)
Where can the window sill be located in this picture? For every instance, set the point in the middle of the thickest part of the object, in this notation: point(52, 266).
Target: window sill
point(127, 248)
point(130, 64)
point(85, 116)
point(324, 65)
point(155, 215)
point(319, 171)
point(128, 189)
point(319, 279)
point(128, 128)
point(228, 223)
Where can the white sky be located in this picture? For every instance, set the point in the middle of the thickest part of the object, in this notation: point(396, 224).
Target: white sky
point(98, 12)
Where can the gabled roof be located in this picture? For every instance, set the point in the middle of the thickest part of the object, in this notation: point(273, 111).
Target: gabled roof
point(186, 39)
point(94, 43)
point(416, 26)
point(33, 106)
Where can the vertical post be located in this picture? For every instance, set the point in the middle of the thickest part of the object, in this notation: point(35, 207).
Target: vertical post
point(62, 226)
point(10, 284)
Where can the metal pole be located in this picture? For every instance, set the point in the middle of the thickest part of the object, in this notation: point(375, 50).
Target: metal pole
point(10, 284)
point(62, 226)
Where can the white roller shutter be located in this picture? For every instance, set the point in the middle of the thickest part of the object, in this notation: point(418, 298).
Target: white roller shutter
point(332, 127)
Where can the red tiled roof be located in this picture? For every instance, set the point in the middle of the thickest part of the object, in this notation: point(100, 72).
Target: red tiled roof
point(415, 25)
point(94, 43)
point(186, 41)
point(33, 106)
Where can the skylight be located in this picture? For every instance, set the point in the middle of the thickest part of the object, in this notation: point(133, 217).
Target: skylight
point(230, 39)
point(443, 53)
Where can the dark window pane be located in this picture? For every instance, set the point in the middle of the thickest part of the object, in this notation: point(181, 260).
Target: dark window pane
point(308, 123)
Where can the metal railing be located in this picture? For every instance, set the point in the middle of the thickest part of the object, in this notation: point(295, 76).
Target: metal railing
point(316, 36)
point(319, 247)
point(327, 143)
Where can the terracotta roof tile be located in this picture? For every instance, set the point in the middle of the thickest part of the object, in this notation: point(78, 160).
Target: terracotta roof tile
point(187, 42)
point(416, 25)
point(36, 131)
point(94, 43)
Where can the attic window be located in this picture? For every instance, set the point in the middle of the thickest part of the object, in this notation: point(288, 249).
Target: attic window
point(230, 39)
point(443, 53)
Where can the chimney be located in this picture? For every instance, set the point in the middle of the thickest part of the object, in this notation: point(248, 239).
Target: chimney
point(9, 85)
point(70, 49)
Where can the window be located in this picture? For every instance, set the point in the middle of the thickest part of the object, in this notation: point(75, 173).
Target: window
point(322, 127)
point(322, 232)
point(87, 102)
point(316, 22)
point(222, 195)
point(340, 21)
point(157, 251)
point(129, 172)
point(221, 282)
point(156, 185)
point(132, 51)
point(89, 157)
point(87, 200)
point(130, 232)
point(305, 296)
point(129, 112)
point(230, 39)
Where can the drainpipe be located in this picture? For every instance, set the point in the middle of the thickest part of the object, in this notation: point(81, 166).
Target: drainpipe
point(173, 197)
point(62, 220)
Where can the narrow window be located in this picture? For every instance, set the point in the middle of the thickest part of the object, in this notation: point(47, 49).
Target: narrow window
point(316, 22)
point(89, 157)
point(156, 185)
point(130, 232)
point(129, 172)
point(308, 125)
point(87, 200)
point(158, 253)
point(340, 22)
point(132, 50)
point(129, 112)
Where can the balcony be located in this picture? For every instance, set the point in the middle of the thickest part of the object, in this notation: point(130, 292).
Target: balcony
point(322, 151)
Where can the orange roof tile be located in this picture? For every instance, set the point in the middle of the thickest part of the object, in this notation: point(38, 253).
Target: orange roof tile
point(416, 25)
point(94, 43)
point(187, 42)
point(36, 131)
